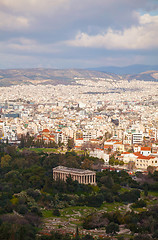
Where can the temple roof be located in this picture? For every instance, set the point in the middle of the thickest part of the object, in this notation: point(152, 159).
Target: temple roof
point(73, 170)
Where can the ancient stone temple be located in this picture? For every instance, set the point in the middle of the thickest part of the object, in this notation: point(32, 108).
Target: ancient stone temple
point(82, 176)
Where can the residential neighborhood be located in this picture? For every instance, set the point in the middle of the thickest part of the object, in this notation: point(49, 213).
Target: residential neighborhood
point(120, 123)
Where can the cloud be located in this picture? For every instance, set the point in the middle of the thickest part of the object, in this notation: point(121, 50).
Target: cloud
point(143, 36)
point(84, 15)
point(73, 31)
point(31, 14)
point(29, 47)
point(11, 22)
point(32, 6)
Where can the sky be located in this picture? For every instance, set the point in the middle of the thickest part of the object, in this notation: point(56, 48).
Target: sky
point(78, 33)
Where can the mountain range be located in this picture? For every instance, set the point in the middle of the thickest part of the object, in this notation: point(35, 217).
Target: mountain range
point(131, 69)
point(36, 76)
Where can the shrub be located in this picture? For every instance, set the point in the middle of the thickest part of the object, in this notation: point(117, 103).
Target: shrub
point(56, 212)
point(139, 204)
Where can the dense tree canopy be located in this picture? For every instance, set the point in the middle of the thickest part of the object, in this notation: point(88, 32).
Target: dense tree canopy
point(27, 186)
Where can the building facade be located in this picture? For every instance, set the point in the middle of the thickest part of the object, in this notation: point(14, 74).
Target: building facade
point(82, 176)
point(137, 138)
point(99, 153)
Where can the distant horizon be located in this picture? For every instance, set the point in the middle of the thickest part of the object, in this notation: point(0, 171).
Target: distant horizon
point(82, 68)
point(120, 70)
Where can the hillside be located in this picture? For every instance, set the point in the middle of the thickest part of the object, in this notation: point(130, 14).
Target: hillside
point(65, 76)
point(146, 76)
point(131, 69)
point(48, 76)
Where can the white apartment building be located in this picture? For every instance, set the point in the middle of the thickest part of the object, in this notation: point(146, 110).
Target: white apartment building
point(137, 138)
point(99, 153)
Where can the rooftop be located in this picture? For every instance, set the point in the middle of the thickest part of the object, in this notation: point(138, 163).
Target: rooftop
point(73, 170)
point(145, 148)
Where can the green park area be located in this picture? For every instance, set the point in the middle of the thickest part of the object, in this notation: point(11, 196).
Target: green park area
point(31, 201)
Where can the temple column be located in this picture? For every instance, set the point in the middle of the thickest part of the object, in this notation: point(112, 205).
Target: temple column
point(94, 179)
point(80, 179)
point(85, 179)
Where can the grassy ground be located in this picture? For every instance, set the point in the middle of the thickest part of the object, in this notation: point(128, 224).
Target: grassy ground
point(45, 150)
point(123, 190)
point(52, 150)
point(79, 152)
point(77, 212)
point(47, 213)
point(73, 216)
point(153, 194)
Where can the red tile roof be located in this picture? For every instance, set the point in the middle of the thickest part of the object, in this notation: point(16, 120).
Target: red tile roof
point(146, 157)
point(145, 148)
point(99, 149)
point(140, 156)
point(108, 146)
point(45, 130)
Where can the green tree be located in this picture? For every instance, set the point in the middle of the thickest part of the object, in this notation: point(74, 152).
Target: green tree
point(70, 144)
point(22, 141)
point(139, 204)
point(88, 237)
point(112, 228)
point(87, 164)
point(77, 237)
point(155, 234)
point(145, 190)
point(131, 165)
point(151, 169)
point(56, 212)
point(5, 161)
point(112, 160)
point(121, 163)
